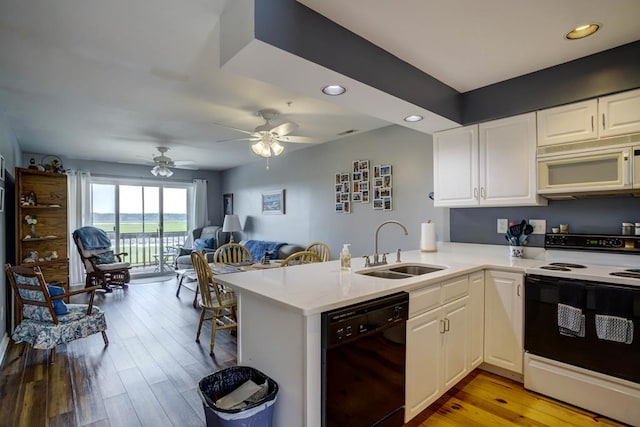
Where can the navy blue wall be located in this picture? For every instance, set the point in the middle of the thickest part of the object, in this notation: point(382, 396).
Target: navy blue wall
point(602, 215)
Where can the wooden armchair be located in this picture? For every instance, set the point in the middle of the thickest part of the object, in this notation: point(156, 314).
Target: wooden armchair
point(222, 304)
point(302, 257)
point(44, 320)
point(321, 249)
point(103, 267)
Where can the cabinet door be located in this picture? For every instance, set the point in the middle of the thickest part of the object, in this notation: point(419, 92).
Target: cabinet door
point(508, 162)
point(476, 319)
point(568, 123)
point(455, 167)
point(423, 377)
point(619, 114)
point(503, 345)
point(455, 351)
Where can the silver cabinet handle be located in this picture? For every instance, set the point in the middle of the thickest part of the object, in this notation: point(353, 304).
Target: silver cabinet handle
point(518, 291)
point(475, 192)
point(483, 193)
point(592, 128)
point(602, 121)
point(442, 327)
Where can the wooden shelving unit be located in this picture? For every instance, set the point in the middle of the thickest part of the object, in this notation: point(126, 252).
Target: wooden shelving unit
point(50, 210)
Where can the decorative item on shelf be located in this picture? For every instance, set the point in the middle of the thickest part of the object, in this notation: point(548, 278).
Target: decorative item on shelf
point(34, 166)
point(266, 260)
point(517, 238)
point(32, 221)
point(343, 192)
point(31, 257)
point(28, 199)
point(52, 164)
point(53, 256)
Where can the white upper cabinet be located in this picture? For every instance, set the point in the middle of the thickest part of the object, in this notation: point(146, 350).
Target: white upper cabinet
point(612, 115)
point(455, 167)
point(491, 164)
point(568, 123)
point(620, 113)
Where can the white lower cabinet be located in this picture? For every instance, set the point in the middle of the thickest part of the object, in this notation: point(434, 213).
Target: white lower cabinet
point(438, 342)
point(503, 323)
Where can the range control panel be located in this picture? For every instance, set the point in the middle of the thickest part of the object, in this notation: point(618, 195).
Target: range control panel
point(593, 242)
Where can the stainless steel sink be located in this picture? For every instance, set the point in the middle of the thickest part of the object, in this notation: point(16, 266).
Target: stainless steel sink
point(386, 274)
point(401, 271)
point(415, 270)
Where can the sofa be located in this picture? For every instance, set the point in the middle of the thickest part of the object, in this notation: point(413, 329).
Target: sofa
point(282, 249)
point(206, 239)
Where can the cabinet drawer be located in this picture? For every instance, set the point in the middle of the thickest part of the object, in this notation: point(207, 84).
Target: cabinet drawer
point(455, 289)
point(424, 299)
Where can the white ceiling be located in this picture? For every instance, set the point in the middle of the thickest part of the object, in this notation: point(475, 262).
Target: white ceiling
point(113, 80)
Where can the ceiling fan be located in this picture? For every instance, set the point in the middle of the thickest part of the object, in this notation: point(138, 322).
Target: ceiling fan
point(267, 137)
point(163, 163)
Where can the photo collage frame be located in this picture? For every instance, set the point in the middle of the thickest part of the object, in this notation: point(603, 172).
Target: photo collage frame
point(343, 192)
point(382, 187)
point(360, 178)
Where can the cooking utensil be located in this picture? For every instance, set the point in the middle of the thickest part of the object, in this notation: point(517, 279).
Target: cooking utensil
point(528, 229)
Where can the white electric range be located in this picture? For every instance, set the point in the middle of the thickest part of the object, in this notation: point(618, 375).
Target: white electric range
point(582, 324)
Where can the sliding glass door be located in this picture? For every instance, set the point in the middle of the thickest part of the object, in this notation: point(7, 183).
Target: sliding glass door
point(147, 221)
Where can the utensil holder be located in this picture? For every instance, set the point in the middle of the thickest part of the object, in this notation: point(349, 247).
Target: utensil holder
point(516, 251)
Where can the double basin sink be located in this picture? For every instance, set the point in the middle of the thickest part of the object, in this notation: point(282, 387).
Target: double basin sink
point(402, 271)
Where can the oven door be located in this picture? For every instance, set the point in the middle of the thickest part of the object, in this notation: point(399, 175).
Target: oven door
point(542, 336)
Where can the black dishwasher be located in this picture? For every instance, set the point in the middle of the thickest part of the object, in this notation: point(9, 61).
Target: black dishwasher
point(363, 363)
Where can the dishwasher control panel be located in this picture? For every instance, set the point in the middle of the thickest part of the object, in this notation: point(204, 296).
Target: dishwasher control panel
point(349, 323)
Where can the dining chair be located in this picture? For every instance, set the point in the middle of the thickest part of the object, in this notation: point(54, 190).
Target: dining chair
point(232, 253)
point(222, 304)
point(321, 249)
point(302, 257)
point(44, 320)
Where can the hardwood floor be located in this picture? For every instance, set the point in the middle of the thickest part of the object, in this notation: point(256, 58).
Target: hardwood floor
point(149, 373)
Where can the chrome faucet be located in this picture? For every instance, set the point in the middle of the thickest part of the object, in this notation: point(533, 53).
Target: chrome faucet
point(375, 255)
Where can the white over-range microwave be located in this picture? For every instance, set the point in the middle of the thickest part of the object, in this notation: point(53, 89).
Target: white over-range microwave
point(598, 167)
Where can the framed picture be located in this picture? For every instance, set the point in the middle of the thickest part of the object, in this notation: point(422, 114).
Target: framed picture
point(273, 202)
point(1, 199)
point(227, 203)
point(1, 168)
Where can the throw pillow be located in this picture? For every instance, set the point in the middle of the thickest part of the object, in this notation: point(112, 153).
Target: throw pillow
point(105, 258)
point(58, 305)
point(202, 244)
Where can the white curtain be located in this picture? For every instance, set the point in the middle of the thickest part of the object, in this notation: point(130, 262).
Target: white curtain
point(199, 213)
point(79, 215)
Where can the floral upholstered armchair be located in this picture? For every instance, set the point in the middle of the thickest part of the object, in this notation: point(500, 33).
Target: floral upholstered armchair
point(44, 319)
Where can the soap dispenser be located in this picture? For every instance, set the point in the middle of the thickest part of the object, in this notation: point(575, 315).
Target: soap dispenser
point(345, 258)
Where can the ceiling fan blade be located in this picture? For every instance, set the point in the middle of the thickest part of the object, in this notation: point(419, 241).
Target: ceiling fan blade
point(183, 162)
point(284, 129)
point(296, 139)
point(251, 138)
point(229, 127)
point(193, 168)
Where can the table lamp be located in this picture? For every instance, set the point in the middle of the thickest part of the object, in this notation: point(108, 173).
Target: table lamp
point(231, 223)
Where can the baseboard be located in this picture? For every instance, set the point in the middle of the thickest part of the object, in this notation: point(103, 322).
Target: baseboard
point(4, 345)
point(502, 372)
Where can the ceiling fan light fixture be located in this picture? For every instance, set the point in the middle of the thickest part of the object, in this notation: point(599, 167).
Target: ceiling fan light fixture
point(258, 148)
point(277, 148)
point(162, 171)
point(413, 118)
point(334, 90)
point(582, 31)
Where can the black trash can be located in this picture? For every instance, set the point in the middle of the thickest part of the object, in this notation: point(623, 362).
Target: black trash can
point(219, 384)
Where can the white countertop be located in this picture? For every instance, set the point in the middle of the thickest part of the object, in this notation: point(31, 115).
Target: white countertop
point(314, 288)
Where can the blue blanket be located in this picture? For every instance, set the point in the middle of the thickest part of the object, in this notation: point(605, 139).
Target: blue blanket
point(93, 238)
point(257, 248)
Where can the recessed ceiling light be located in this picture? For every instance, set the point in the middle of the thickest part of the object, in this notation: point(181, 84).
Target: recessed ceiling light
point(582, 31)
point(334, 90)
point(413, 118)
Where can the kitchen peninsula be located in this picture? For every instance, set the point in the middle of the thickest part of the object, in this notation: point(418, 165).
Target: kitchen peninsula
point(280, 313)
